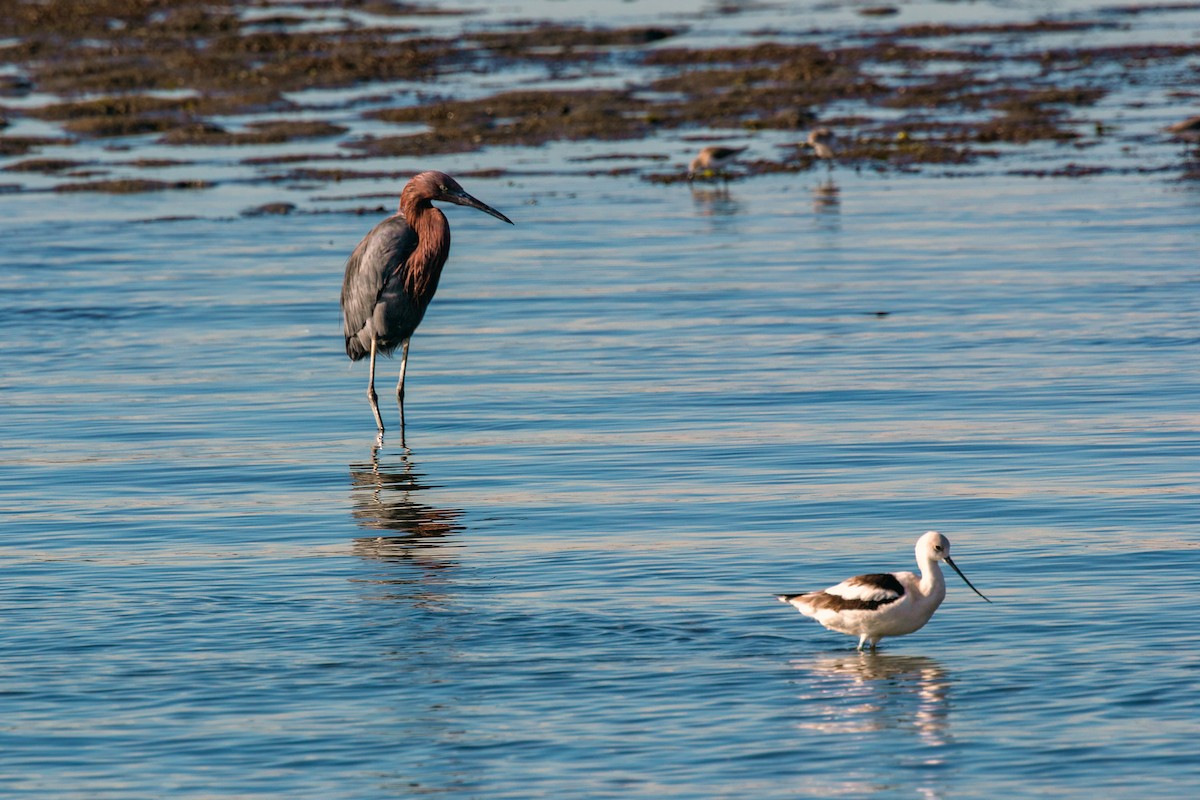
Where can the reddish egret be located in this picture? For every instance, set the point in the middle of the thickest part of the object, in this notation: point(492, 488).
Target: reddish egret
point(713, 159)
point(392, 274)
point(822, 141)
point(889, 604)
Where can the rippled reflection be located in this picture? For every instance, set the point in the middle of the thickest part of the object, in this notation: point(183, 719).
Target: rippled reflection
point(714, 202)
point(864, 692)
point(827, 205)
point(385, 499)
point(900, 704)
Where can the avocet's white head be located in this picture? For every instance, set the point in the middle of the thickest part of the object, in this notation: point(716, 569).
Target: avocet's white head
point(932, 547)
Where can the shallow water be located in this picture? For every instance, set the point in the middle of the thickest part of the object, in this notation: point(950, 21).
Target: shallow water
point(632, 418)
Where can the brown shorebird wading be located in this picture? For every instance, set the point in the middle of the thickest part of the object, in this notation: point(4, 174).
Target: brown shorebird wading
point(822, 141)
point(713, 160)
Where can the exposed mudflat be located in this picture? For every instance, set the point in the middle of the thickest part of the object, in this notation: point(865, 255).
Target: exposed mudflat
point(902, 96)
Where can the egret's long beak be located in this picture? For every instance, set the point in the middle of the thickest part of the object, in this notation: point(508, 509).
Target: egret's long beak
point(964, 577)
point(464, 199)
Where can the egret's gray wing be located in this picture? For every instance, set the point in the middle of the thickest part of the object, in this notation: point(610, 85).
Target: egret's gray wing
point(375, 263)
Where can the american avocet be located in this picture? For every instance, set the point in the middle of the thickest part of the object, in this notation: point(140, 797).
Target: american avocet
point(713, 159)
point(888, 604)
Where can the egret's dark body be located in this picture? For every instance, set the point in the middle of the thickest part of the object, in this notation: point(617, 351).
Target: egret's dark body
point(386, 291)
point(393, 273)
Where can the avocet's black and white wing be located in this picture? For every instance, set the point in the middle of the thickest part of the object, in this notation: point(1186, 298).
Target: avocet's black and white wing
point(860, 593)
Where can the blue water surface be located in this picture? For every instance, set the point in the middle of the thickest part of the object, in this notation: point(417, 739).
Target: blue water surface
point(631, 419)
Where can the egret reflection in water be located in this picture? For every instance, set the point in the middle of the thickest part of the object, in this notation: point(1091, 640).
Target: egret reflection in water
point(385, 499)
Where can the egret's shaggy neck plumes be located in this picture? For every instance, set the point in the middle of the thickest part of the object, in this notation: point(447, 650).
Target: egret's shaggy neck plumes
point(431, 228)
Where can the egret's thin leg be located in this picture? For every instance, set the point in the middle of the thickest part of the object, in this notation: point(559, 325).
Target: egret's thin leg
point(371, 390)
point(400, 386)
point(403, 366)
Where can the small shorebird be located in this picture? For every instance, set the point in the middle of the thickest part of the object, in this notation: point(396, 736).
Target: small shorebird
point(1188, 130)
point(885, 604)
point(713, 159)
point(822, 141)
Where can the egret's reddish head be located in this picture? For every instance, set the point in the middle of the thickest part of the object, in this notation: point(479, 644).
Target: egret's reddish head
point(433, 185)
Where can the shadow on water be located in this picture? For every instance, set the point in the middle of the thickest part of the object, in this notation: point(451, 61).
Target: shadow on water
point(384, 496)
